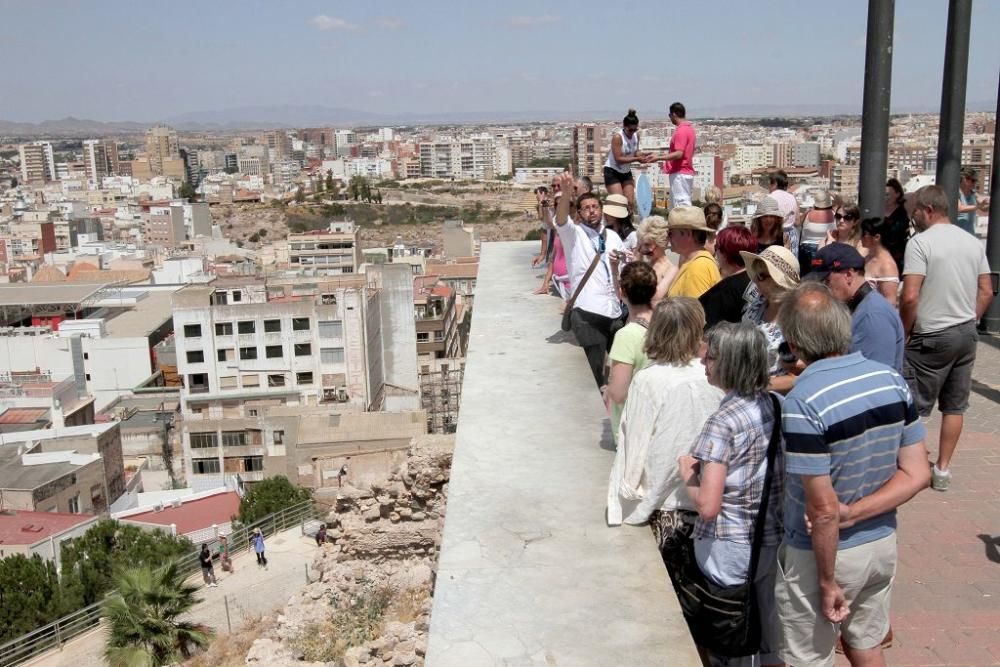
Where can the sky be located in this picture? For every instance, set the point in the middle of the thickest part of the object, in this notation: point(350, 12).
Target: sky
point(148, 60)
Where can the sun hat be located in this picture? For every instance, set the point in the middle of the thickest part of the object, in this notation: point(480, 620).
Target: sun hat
point(768, 206)
point(835, 257)
point(616, 206)
point(821, 199)
point(782, 265)
point(688, 217)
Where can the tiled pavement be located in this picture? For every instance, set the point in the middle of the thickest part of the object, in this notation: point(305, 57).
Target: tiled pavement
point(946, 601)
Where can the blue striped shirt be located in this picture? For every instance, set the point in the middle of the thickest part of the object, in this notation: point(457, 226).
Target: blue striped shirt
point(847, 417)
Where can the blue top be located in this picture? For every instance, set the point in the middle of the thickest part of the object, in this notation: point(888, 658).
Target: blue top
point(846, 417)
point(258, 543)
point(967, 221)
point(877, 331)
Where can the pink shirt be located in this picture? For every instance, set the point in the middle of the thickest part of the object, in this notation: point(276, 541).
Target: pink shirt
point(682, 140)
point(559, 267)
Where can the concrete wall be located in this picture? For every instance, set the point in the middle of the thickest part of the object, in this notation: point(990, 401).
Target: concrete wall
point(399, 337)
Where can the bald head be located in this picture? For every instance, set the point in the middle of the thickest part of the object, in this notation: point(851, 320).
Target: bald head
point(815, 323)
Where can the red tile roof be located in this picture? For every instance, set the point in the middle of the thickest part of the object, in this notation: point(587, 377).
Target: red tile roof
point(193, 515)
point(26, 528)
point(23, 415)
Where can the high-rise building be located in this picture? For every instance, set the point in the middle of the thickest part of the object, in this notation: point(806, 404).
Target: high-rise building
point(805, 155)
point(100, 159)
point(37, 162)
point(472, 158)
point(161, 145)
point(590, 147)
point(278, 143)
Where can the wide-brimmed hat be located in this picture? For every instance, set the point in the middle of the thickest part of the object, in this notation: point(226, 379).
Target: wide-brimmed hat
point(821, 199)
point(616, 206)
point(688, 217)
point(768, 206)
point(782, 265)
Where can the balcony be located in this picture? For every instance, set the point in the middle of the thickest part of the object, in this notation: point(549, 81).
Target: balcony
point(529, 573)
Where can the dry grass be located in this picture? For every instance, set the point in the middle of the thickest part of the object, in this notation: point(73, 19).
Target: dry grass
point(231, 650)
point(407, 604)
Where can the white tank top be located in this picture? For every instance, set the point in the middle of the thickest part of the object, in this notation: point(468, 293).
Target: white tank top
point(629, 147)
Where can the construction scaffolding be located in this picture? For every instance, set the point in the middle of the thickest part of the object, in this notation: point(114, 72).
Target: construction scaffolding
point(441, 393)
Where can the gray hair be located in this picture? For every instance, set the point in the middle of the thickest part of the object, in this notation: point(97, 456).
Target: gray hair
point(815, 322)
point(933, 196)
point(654, 228)
point(740, 355)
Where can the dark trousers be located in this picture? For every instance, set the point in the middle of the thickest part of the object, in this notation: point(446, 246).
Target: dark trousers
point(594, 334)
point(261, 559)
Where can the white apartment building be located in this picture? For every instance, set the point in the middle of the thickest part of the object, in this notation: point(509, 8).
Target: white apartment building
point(467, 158)
point(752, 156)
point(37, 162)
point(704, 171)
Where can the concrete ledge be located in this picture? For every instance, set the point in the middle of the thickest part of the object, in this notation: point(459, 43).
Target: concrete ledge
point(529, 573)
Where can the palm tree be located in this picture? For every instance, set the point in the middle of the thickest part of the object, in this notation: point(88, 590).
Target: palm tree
point(144, 623)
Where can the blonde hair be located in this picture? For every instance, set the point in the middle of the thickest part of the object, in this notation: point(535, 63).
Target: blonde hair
point(653, 228)
point(713, 195)
point(675, 330)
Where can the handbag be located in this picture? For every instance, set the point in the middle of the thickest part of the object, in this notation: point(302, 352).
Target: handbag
point(568, 310)
point(725, 620)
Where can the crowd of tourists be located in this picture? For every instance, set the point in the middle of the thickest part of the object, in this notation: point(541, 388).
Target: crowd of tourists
point(766, 385)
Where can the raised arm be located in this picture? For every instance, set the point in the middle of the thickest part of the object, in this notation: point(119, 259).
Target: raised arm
point(566, 184)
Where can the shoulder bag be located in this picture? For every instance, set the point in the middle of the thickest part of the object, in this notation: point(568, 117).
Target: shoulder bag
point(725, 620)
point(568, 311)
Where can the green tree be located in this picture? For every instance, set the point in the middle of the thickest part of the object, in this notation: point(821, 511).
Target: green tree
point(90, 561)
point(270, 496)
point(187, 191)
point(300, 195)
point(329, 180)
point(30, 595)
point(144, 618)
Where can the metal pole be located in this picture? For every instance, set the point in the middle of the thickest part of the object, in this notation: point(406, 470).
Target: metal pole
point(952, 119)
point(991, 321)
point(875, 108)
point(229, 623)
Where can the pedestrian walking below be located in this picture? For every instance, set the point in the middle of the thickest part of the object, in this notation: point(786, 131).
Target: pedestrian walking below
point(257, 541)
point(207, 571)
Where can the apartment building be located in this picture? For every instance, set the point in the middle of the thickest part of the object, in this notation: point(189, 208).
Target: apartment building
point(27, 241)
point(466, 158)
point(845, 179)
point(37, 162)
point(805, 154)
point(161, 147)
point(330, 252)
point(164, 226)
point(589, 150)
point(437, 318)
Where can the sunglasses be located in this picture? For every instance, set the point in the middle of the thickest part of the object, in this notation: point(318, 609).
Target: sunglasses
point(838, 217)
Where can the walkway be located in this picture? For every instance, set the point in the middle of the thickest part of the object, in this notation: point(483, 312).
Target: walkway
point(529, 572)
point(946, 603)
point(250, 591)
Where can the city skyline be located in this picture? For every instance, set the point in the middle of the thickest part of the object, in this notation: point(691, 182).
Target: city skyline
point(446, 58)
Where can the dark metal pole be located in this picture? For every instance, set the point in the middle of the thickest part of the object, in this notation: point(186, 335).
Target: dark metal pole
point(992, 318)
point(952, 119)
point(875, 108)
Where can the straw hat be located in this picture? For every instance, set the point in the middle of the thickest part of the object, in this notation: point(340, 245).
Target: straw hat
point(782, 265)
point(821, 199)
point(688, 217)
point(768, 206)
point(616, 206)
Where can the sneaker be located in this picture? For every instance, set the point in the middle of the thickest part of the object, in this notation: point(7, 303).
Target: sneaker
point(940, 479)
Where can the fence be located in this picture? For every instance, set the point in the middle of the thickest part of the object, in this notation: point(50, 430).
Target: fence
point(55, 634)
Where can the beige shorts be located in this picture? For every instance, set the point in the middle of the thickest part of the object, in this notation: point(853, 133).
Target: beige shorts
point(865, 573)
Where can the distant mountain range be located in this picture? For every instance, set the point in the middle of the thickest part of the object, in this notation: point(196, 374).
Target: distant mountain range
point(295, 116)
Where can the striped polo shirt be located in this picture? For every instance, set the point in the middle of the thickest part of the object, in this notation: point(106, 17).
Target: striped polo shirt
point(847, 417)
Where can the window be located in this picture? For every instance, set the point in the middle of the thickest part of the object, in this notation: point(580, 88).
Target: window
point(234, 439)
point(251, 380)
point(304, 378)
point(248, 353)
point(331, 355)
point(86, 356)
point(227, 382)
point(252, 412)
point(423, 337)
point(273, 352)
point(205, 466)
point(192, 331)
point(279, 437)
point(332, 329)
point(272, 326)
point(276, 380)
point(223, 328)
point(73, 507)
point(253, 463)
point(237, 296)
point(88, 377)
point(300, 324)
point(303, 349)
point(195, 356)
point(246, 327)
point(438, 335)
point(226, 354)
point(203, 440)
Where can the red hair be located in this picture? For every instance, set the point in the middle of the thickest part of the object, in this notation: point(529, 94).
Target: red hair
point(731, 240)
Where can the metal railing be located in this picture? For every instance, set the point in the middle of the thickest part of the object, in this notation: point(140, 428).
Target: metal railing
point(54, 635)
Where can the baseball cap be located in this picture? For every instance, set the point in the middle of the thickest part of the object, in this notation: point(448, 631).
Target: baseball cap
point(835, 257)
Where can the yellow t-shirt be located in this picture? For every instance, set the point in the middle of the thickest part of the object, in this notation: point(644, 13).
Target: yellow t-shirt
point(695, 276)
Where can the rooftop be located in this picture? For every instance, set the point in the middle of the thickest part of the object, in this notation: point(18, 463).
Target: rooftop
point(142, 319)
point(192, 515)
point(15, 474)
point(29, 294)
point(26, 528)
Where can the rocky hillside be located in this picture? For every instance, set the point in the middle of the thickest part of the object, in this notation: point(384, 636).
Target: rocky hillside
point(370, 601)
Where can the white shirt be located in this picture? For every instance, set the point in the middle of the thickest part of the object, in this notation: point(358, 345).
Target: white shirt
point(789, 207)
point(664, 412)
point(580, 244)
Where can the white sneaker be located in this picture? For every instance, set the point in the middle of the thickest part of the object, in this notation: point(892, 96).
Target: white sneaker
point(940, 479)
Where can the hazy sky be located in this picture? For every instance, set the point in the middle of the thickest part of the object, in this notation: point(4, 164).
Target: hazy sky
point(146, 60)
